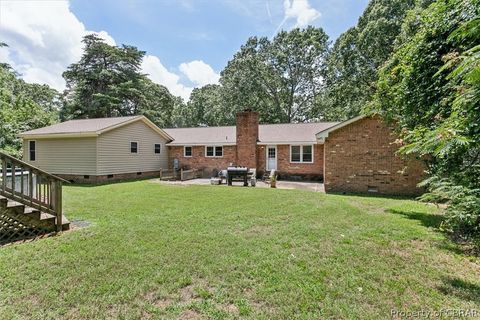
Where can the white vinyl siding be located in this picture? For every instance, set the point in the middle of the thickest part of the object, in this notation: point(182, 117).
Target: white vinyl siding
point(64, 156)
point(114, 154)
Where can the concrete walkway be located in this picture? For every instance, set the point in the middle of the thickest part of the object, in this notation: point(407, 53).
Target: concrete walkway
point(281, 184)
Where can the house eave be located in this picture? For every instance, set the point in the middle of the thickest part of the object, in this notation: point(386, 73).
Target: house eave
point(322, 135)
point(59, 135)
point(179, 144)
point(286, 142)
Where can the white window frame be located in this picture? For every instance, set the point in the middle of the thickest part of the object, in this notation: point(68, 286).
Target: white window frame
point(301, 153)
point(138, 147)
point(29, 152)
point(155, 148)
point(184, 151)
point(214, 151)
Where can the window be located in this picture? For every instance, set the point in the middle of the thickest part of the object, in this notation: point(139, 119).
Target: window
point(32, 149)
point(133, 147)
point(209, 151)
point(296, 154)
point(214, 151)
point(307, 155)
point(158, 147)
point(187, 151)
point(219, 151)
point(301, 154)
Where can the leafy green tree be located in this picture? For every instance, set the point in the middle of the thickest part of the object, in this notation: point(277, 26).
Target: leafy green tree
point(279, 78)
point(182, 115)
point(105, 82)
point(207, 108)
point(356, 56)
point(156, 103)
point(23, 107)
point(430, 88)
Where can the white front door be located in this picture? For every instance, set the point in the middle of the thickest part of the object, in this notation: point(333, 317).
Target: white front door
point(271, 158)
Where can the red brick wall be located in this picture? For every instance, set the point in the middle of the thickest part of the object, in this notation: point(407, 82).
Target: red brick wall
point(362, 155)
point(247, 137)
point(199, 161)
point(286, 169)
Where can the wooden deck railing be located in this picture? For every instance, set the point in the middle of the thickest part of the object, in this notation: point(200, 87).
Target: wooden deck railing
point(31, 186)
point(190, 174)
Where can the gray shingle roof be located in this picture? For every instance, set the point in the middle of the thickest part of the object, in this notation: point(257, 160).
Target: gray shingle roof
point(80, 126)
point(202, 135)
point(268, 133)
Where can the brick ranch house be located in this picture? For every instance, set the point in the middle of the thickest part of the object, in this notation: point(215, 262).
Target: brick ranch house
point(357, 155)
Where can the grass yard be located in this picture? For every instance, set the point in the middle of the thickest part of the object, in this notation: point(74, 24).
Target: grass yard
point(156, 251)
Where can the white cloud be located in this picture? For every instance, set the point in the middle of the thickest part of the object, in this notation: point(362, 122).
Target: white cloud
point(159, 74)
point(105, 36)
point(45, 37)
point(199, 73)
point(301, 11)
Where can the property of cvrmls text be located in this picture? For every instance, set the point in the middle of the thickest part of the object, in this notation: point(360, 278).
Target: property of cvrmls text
point(434, 314)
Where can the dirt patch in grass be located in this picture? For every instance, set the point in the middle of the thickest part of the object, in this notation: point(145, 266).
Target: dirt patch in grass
point(406, 250)
point(185, 296)
point(368, 208)
point(191, 315)
point(188, 295)
point(256, 230)
point(159, 302)
point(254, 303)
point(230, 308)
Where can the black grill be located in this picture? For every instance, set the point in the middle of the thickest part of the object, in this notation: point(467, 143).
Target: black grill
point(237, 173)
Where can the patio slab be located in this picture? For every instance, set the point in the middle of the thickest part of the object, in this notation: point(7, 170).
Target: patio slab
point(281, 184)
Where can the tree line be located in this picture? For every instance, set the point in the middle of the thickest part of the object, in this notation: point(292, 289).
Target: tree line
point(415, 62)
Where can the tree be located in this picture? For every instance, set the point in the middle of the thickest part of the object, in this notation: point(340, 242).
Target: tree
point(107, 82)
point(23, 107)
point(430, 88)
point(207, 108)
point(156, 103)
point(357, 55)
point(279, 78)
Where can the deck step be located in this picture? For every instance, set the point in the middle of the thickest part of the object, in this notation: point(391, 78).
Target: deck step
point(34, 213)
point(65, 223)
point(13, 205)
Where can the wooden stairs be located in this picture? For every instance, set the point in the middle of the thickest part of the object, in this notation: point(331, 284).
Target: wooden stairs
point(30, 201)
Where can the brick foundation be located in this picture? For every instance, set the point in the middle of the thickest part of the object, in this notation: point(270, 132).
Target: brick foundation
point(107, 178)
point(360, 158)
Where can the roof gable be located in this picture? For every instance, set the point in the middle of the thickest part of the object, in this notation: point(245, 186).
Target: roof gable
point(324, 133)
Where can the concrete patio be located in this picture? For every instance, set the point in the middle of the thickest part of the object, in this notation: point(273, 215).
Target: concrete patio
point(281, 184)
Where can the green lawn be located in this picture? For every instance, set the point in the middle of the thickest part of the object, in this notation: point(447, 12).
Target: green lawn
point(156, 251)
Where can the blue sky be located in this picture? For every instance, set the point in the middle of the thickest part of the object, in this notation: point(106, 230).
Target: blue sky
point(188, 42)
point(211, 30)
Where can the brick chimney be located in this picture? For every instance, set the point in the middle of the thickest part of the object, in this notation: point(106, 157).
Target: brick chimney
point(247, 137)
